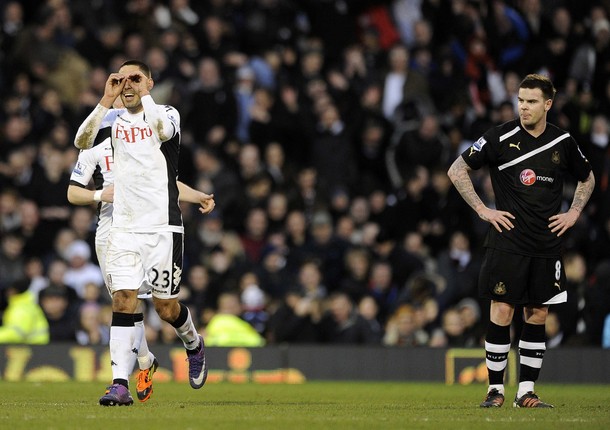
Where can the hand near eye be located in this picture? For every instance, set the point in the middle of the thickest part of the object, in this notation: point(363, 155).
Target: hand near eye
point(113, 89)
point(139, 83)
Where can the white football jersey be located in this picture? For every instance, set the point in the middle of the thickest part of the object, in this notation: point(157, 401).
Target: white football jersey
point(146, 170)
point(97, 164)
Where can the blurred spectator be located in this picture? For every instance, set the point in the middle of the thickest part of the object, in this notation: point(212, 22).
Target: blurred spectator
point(254, 302)
point(264, 126)
point(38, 50)
point(404, 264)
point(56, 273)
point(297, 239)
point(474, 327)
point(449, 212)
point(342, 324)
point(273, 273)
point(212, 116)
point(327, 248)
point(83, 223)
point(277, 210)
point(402, 329)
point(205, 235)
point(217, 177)
point(415, 202)
point(426, 146)
point(460, 268)
point(81, 270)
point(244, 95)
point(277, 167)
point(254, 235)
point(308, 195)
point(91, 329)
point(310, 280)
point(31, 230)
point(295, 319)
point(63, 319)
point(554, 331)
point(9, 209)
point(198, 284)
point(48, 188)
point(403, 89)
point(12, 261)
point(357, 266)
point(372, 142)
point(597, 302)
point(226, 328)
point(224, 267)
point(382, 289)
point(369, 310)
point(332, 153)
point(452, 333)
point(23, 321)
point(569, 314)
point(12, 24)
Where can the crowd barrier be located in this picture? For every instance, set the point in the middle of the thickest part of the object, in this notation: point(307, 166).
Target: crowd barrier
point(293, 364)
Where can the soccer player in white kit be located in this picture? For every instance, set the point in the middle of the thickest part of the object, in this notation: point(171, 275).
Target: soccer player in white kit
point(146, 236)
point(97, 164)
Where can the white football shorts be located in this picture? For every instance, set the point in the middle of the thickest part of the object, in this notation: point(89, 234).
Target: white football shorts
point(148, 262)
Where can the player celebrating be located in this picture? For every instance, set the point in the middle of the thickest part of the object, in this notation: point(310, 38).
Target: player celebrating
point(527, 159)
point(146, 236)
point(97, 164)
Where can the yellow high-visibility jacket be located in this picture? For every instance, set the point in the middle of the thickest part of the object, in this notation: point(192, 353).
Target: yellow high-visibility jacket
point(231, 330)
point(24, 321)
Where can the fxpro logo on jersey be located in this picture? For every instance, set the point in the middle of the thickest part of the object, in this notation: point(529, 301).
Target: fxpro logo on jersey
point(528, 177)
point(132, 134)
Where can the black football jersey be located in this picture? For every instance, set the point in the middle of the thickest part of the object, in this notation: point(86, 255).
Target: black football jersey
point(527, 175)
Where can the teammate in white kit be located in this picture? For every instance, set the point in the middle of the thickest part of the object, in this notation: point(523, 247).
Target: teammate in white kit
point(146, 236)
point(97, 164)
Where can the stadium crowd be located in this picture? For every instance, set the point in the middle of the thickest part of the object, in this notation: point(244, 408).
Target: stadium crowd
point(324, 128)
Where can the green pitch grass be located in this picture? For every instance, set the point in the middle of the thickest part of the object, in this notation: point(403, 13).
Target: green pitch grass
point(312, 405)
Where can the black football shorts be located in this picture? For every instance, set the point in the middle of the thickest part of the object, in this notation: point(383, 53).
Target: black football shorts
point(521, 279)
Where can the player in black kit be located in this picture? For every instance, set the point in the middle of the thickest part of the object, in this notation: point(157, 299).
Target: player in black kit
point(528, 160)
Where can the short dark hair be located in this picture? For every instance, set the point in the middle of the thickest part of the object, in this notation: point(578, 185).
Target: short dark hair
point(142, 66)
point(543, 83)
point(20, 285)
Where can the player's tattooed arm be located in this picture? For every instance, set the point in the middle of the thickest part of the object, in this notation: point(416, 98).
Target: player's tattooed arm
point(582, 193)
point(459, 173)
point(560, 223)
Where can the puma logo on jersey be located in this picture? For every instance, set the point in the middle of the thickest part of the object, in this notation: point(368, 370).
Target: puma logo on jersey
point(515, 145)
point(558, 285)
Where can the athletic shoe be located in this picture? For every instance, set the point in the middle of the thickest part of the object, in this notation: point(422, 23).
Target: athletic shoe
point(144, 387)
point(530, 400)
point(116, 395)
point(494, 399)
point(198, 370)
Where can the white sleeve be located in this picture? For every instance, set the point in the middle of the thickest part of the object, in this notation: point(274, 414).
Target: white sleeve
point(164, 120)
point(84, 168)
point(85, 136)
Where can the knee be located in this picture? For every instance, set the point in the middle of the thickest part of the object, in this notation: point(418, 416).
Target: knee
point(502, 313)
point(536, 315)
point(124, 301)
point(168, 310)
